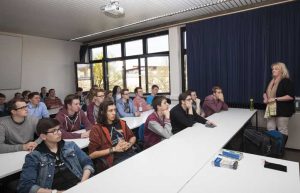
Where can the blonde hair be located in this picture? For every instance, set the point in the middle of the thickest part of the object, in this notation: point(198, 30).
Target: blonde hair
point(282, 67)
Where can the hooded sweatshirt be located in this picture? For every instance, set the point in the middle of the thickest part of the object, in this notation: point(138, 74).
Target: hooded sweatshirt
point(67, 125)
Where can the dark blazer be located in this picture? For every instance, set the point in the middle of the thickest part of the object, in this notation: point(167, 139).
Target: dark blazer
point(285, 108)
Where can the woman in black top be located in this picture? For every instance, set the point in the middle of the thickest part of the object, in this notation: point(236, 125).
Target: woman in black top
point(279, 98)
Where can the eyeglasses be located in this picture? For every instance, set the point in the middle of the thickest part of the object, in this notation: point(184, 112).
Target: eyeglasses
point(54, 131)
point(126, 94)
point(23, 107)
point(189, 99)
point(101, 96)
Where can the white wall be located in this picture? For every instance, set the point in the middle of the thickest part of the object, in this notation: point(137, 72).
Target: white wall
point(47, 62)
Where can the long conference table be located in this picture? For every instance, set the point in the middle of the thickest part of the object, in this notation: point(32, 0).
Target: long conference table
point(11, 163)
point(170, 165)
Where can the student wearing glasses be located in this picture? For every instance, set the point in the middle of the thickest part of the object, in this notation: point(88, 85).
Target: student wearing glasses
point(214, 103)
point(55, 165)
point(17, 131)
point(183, 115)
point(93, 107)
point(111, 140)
point(125, 105)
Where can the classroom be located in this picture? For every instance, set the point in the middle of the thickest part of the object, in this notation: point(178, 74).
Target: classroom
point(149, 96)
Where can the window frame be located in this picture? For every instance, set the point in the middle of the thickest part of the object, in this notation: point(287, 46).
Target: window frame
point(123, 58)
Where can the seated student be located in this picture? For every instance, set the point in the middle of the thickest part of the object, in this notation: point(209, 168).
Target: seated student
point(214, 103)
point(55, 165)
point(154, 91)
point(139, 102)
point(93, 108)
point(111, 139)
point(125, 105)
point(108, 95)
point(79, 93)
point(196, 103)
point(43, 94)
point(116, 93)
point(52, 101)
point(72, 118)
point(183, 115)
point(25, 94)
point(35, 107)
point(158, 125)
point(17, 96)
point(17, 131)
point(3, 106)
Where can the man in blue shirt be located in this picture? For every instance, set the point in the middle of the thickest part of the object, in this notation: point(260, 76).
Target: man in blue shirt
point(35, 107)
point(125, 105)
point(154, 91)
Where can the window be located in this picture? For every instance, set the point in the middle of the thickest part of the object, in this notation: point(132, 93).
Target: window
point(114, 51)
point(158, 72)
point(158, 44)
point(97, 53)
point(134, 47)
point(132, 73)
point(84, 76)
point(115, 74)
point(139, 62)
point(98, 75)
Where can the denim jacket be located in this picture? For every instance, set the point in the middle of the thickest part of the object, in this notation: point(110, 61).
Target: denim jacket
point(39, 167)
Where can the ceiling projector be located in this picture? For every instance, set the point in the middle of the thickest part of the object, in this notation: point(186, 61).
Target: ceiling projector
point(113, 9)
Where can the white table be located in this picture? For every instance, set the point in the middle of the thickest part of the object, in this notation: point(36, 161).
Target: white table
point(250, 177)
point(11, 163)
point(169, 165)
point(135, 122)
point(54, 111)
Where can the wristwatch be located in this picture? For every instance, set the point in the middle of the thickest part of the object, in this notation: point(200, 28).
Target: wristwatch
point(54, 191)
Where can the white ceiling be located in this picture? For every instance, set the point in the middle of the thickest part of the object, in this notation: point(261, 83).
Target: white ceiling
point(70, 19)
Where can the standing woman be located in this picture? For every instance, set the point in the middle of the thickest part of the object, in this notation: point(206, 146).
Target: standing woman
point(110, 139)
point(279, 98)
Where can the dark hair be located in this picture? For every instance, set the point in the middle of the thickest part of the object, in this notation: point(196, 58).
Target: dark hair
point(32, 94)
point(51, 90)
point(136, 89)
point(183, 96)
point(69, 99)
point(11, 105)
point(25, 92)
point(107, 92)
point(43, 87)
point(45, 124)
point(215, 88)
point(157, 100)
point(2, 95)
point(79, 89)
point(154, 86)
point(17, 93)
point(102, 115)
point(115, 90)
point(123, 90)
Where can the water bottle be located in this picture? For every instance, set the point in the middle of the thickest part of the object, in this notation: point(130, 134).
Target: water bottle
point(225, 163)
point(140, 107)
point(251, 105)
